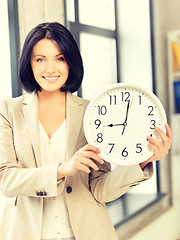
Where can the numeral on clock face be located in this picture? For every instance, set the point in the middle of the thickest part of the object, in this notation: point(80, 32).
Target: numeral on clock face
point(97, 123)
point(125, 96)
point(99, 137)
point(125, 152)
point(153, 124)
point(140, 99)
point(111, 147)
point(151, 108)
point(139, 148)
point(102, 110)
point(112, 99)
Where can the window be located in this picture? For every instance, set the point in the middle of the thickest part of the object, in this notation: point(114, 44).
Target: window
point(115, 39)
point(97, 37)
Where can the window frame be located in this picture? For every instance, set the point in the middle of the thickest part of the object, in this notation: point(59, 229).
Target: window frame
point(76, 28)
point(14, 46)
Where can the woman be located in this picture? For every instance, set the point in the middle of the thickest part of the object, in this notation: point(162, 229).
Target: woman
point(55, 183)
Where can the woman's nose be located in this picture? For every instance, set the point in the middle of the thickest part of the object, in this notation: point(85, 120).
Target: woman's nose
point(50, 67)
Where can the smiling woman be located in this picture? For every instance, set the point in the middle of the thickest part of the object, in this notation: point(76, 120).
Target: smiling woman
point(64, 43)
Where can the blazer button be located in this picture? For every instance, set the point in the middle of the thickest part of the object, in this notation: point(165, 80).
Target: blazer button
point(69, 189)
point(41, 193)
point(44, 193)
point(37, 193)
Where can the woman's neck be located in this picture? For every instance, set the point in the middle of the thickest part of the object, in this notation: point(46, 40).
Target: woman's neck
point(52, 97)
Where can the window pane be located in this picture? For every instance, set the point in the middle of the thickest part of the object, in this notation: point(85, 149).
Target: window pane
point(135, 57)
point(135, 42)
point(97, 13)
point(70, 10)
point(99, 57)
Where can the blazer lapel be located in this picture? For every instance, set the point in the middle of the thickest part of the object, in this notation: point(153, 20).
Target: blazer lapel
point(74, 114)
point(30, 111)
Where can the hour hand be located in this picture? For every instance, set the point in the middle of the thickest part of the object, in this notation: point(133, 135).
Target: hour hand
point(113, 125)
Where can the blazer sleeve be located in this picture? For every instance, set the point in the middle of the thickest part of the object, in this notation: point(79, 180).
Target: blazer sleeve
point(15, 179)
point(107, 185)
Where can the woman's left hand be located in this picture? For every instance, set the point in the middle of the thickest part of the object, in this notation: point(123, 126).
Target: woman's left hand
point(159, 148)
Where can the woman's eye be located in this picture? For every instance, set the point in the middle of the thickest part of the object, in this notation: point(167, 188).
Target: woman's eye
point(40, 60)
point(60, 59)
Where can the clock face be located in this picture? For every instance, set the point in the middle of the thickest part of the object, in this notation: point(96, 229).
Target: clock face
point(119, 120)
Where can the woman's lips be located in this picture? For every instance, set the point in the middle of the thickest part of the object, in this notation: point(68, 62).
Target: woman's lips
point(51, 79)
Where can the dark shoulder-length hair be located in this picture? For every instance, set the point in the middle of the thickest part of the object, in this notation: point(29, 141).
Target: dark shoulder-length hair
point(69, 48)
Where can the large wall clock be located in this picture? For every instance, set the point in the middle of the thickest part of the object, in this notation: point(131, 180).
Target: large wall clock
point(119, 120)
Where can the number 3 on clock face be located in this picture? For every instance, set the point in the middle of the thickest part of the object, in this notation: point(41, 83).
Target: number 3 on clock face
point(119, 120)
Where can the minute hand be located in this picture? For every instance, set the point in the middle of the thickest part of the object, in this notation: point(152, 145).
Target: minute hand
point(127, 111)
point(125, 122)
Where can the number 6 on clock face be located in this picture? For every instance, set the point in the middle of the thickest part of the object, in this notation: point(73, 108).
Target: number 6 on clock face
point(119, 120)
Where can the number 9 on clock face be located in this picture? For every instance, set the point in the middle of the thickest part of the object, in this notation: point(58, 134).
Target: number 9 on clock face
point(119, 120)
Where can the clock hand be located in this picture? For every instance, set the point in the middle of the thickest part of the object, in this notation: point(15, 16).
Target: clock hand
point(112, 125)
point(125, 122)
point(127, 111)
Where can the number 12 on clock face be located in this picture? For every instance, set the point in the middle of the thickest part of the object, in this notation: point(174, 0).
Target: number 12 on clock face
point(119, 120)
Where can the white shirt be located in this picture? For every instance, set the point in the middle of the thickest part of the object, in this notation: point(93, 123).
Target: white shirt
point(56, 224)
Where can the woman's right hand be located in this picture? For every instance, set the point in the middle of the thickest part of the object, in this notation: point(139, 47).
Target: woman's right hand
point(82, 160)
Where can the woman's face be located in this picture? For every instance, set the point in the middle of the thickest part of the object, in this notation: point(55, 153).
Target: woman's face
point(49, 66)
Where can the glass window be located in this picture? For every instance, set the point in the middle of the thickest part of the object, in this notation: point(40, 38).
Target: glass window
point(135, 42)
point(135, 56)
point(99, 57)
point(71, 10)
point(100, 13)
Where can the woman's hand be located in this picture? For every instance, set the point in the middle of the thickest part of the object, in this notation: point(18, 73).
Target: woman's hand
point(82, 160)
point(159, 148)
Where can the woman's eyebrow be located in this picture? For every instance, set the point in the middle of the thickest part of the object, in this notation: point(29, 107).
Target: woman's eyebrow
point(59, 54)
point(40, 55)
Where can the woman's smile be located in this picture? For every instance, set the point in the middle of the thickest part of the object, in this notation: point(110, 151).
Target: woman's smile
point(51, 79)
